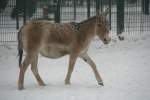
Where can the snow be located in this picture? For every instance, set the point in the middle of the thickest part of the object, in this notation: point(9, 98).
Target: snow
point(123, 65)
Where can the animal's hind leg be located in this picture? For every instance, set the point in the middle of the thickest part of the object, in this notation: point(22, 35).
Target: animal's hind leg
point(35, 70)
point(23, 68)
point(88, 60)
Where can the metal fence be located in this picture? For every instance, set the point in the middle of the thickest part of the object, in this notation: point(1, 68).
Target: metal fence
point(129, 17)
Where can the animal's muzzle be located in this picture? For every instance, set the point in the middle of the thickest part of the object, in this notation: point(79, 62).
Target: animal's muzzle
point(106, 41)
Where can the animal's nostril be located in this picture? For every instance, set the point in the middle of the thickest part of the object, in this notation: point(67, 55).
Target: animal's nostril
point(105, 40)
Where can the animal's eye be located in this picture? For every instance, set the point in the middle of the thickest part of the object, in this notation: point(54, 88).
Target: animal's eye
point(99, 25)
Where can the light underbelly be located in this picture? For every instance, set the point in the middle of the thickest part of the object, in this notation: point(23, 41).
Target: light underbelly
point(53, 52)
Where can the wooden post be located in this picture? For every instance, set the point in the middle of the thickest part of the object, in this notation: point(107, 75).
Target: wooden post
point(120, 18)
point(88, 8)
point(57, 12)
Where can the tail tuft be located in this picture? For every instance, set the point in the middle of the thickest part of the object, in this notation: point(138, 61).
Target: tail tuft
point(20, 48)
point(20, 52)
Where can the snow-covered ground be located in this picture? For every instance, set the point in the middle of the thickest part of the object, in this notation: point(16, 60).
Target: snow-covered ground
point(123, 65)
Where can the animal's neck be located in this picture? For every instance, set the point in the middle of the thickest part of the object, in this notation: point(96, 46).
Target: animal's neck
point(86, 31)
point(87, 27)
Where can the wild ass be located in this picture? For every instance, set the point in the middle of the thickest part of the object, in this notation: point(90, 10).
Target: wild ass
point(55, 40)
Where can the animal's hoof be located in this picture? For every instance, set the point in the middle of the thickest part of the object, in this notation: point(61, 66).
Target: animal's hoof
point(101, 83)
point(21, 88)
point(67, 83)
point(42, 84)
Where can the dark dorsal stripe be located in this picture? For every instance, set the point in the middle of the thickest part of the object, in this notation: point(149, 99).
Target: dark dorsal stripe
point(87, 20)
point(77, 25)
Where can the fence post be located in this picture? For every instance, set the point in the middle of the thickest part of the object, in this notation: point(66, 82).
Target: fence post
point(145, 6)
point(101, 5)
point(97, 4)
point(74, 4)
point(88, 8)
point(120, 18)
point(143, 3)
point(45, 12)
point(110, 2)
point(24, 11)
point(57, 12)
point(17, 16)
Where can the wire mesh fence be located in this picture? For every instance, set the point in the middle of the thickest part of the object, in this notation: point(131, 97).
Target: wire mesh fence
point(129, 17)
point(7, 25)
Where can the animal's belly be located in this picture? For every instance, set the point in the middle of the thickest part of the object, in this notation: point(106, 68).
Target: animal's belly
point(53, 52)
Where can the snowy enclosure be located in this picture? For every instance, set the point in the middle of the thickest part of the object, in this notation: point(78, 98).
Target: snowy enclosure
point(123, 65)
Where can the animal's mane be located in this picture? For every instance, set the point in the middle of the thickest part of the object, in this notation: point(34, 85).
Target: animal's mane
point(78, 25)
point(89, 19)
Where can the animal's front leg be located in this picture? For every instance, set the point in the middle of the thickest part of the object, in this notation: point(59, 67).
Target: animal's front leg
point(88, 60)
point(72, 60)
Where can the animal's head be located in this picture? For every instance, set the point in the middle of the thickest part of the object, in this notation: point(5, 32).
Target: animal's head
point(102, 27)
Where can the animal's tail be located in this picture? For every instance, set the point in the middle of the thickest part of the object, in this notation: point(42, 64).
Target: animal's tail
point(20, 46)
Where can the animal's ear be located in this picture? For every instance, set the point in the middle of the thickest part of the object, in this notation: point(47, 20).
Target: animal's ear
point(97, 12)
point(106, 11)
